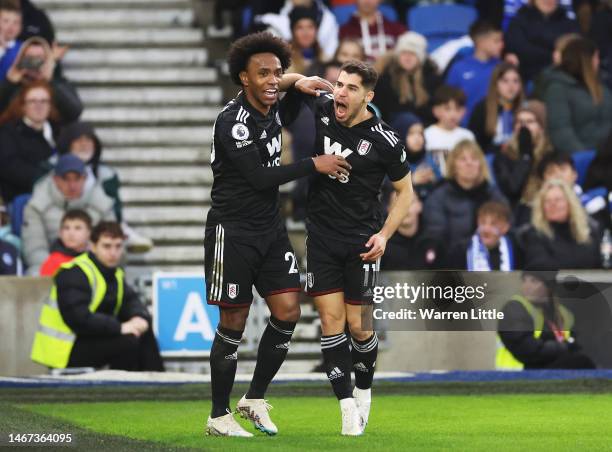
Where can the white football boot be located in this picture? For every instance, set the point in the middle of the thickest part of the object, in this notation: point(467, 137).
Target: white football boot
point(225, 426)
point(363, 400)
point(256, 411)
point(352, 422)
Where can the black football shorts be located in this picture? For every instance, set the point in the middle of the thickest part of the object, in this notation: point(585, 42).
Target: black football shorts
point(233, 264)
point(335, 266)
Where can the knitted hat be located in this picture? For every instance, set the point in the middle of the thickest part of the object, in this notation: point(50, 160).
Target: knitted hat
point(412, 42)
point(403, 122)
point(300, 12)
point(537, 108)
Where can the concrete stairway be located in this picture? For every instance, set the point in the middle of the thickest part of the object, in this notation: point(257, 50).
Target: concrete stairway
point(141, 72)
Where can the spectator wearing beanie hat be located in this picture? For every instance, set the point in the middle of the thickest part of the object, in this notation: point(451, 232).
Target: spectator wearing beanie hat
point(305, 49)
point(408, 80)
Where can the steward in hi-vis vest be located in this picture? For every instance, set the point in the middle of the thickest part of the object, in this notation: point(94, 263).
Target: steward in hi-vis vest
point(536, 331)
point(92, 318)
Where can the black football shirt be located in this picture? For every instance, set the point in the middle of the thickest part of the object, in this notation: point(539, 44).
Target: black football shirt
point(350, 209)
point(239, 130)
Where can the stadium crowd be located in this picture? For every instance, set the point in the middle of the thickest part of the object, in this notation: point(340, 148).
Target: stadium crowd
point(507, 125)
point(51, 162)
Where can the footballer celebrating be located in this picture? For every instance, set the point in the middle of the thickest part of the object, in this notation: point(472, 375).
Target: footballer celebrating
point(246, 243)
point(346, 234)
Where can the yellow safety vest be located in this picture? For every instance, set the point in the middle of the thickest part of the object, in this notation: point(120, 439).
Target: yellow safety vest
point(504, 358)
point(54, 340)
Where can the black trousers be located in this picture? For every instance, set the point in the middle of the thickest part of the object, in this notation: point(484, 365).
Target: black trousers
point(124, 352)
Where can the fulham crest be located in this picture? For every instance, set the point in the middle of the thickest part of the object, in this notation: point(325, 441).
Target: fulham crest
point(232, 290)
point(364, 147)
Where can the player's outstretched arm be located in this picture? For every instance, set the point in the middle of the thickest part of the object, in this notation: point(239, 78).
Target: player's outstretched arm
point(378, 242)
point(307, 85)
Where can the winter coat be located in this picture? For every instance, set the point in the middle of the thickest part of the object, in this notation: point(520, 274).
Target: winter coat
point(43, 214)
point(449, 213)
point(24, 154)
point(575, 122)
point(560, 252)
point(387, 99)
point(74, 296)
point(531, 36)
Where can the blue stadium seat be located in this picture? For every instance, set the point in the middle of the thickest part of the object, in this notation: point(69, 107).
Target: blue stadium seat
point(344, 12)
point(582, 161)
point(440, 22)
point(15, 211)
point(490, 158)
point(247, 16)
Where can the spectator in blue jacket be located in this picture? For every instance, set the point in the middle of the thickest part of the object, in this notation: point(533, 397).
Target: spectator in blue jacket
point(472, 73)
point(10, 28)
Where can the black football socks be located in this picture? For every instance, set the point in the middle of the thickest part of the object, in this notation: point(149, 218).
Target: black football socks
point(337, 362)
point(273, 348)
point(364, 360)
point(223, 363)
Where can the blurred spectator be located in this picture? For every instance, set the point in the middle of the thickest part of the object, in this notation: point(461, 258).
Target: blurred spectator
point(536, 330)
point(376, 33)
point(449, 214)
point(26, 140)
point(36, 23)
point(472, 73)
point(511, 7)
point(218, 28)
point(306, 54)
point(441, 137)
point(10, 261)
point(75, 229)
point(558, 165)
point(54, 195)
point(548, 74)
point(103, 316)
point(10, 28)
point(408, 81)
point(599, 173)
point(560, 236)
point(492, 119)
point(327, 27)
point(36, 62)
point(491, 247)
point(601, 33)
point(6, 231)
point(532, 33)
point(424, 170)
point(406, 249)
point(349, 49)
point(579, 105)
point(515, 166)
point(80, 139)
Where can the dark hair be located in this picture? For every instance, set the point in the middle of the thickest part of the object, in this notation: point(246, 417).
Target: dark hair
point(446, 93)
point(482, 27)
point(263, 42)
point(77, 214)
point(366, 71)
point(554, 158)
point(577, 61)
point(495, 209)
point(10, 5)
point(109, 228)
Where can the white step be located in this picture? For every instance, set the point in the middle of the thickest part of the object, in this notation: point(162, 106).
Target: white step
point(179, 175)
point(165, 194)
point(86, 17)
point(135, 57)
point(155, 96)
point(156, 155)
point(146, 271)
point(197, 136)
point(131, 37)
point(50, 4)
point(173, 233)
point(125, 115)
point(165, 215)
point(109, 75)
point(170, 254)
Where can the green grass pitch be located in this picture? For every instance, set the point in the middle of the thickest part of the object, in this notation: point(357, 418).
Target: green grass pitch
point(470, 422)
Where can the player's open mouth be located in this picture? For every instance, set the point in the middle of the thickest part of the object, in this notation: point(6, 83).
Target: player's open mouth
point(340, 109)
point(271, 94)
